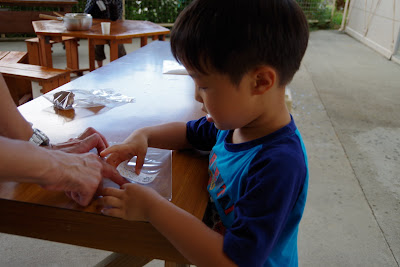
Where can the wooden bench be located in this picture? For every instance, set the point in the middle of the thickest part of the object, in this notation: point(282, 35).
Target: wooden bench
point(20, 90)
point(71, 47)
point(19, 76)
point(21, 21)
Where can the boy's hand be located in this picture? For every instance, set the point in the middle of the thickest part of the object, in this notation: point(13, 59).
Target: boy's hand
point(134, 145)
point(131, 202)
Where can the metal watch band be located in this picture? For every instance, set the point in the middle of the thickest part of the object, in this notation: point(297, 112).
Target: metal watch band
point(39, 138)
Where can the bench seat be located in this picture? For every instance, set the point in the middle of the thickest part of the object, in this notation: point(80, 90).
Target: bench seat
point(13, 57)
point(19, 76)
point(49, 78)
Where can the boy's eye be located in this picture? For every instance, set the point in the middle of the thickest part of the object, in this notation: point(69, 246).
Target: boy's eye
point(202, 88)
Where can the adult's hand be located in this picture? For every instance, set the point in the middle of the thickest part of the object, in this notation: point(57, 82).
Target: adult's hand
point(85, 142)
point(80, 175)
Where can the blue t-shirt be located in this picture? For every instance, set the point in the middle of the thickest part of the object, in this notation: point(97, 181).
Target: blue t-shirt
point(259, 190)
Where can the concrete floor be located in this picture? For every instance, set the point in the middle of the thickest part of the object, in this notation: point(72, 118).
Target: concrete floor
point(345, 102)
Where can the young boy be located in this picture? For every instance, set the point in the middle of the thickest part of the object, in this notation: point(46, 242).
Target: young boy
point(241, 55)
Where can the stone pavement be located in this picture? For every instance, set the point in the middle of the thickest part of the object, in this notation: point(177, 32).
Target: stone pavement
point(346, 99)
point(346, 103)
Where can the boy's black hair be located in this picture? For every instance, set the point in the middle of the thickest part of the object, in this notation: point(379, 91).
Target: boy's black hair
point(235, 36)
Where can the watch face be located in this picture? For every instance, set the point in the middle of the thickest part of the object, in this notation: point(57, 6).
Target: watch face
point(39, 138)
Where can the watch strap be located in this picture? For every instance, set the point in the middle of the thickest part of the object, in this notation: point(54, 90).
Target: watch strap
point(39, 138)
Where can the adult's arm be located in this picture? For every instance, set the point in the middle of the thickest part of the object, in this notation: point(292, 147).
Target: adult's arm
point(79, 174)
point(12, 123)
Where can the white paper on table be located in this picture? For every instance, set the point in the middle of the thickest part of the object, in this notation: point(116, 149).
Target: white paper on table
point(127, 170)
point(173, 67)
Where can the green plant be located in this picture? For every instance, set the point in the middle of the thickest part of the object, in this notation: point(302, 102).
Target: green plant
point(337, 19)
point(319, 14)
point(80, 7)
point(315, 10)
point(157, 11)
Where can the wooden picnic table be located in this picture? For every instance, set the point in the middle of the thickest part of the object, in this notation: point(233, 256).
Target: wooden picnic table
point(29, 210)
point(122, 32)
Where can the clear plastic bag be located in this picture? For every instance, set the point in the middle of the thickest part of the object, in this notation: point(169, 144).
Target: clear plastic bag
point(80, 98)
point(156, 172)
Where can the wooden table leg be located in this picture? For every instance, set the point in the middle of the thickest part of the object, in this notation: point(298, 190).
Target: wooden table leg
point(45, 51)
point(71, 50)
point(33, 53)
point(113, 50)
point(120, 260)
point(49, 85)
point(114, 47)
point(91, 44)
point(143, 41)
point(20, 90)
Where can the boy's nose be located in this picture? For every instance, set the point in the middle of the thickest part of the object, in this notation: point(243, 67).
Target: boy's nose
point(197, 95)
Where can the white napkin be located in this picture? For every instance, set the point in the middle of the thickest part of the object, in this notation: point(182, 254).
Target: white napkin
point(173, 67)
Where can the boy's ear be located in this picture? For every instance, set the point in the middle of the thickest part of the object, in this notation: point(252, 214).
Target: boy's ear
point(265, 78)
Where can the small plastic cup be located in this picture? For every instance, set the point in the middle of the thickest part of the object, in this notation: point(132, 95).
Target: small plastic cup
point(105, 27)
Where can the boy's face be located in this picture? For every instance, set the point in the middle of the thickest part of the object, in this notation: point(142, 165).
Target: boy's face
point(227, 105)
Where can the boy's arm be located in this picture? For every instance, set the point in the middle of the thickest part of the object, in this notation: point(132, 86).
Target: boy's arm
point(199, 244)
point(166, 136)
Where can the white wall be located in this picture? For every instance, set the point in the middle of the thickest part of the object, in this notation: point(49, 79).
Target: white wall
point(375, 23)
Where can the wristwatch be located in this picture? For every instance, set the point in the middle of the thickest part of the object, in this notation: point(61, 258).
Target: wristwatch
point(39, 138)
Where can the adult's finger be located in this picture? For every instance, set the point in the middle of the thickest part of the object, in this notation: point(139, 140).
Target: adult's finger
point(82, 146)
point(110, 172)
point(93, 141)
point(82, 200)
point(89, 131)
point(68, 194)
point(85, 145)
point(113, 160)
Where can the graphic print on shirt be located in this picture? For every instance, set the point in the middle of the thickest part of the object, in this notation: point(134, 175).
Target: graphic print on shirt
point(217, 187)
